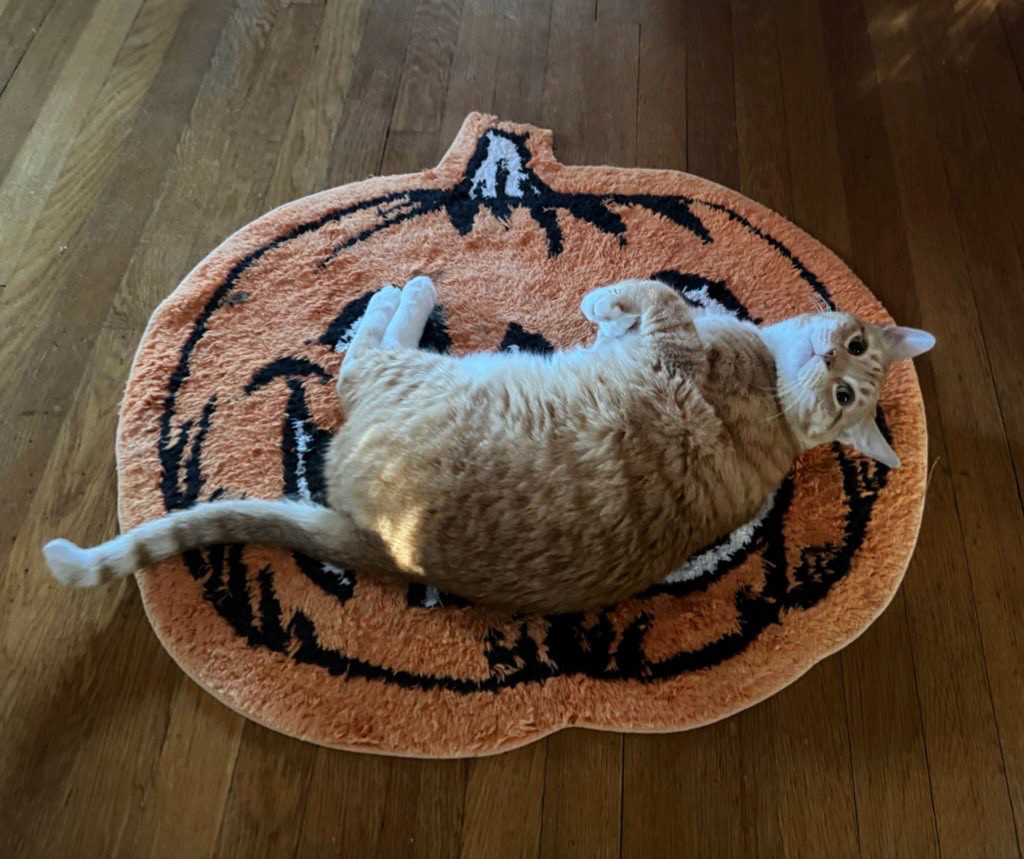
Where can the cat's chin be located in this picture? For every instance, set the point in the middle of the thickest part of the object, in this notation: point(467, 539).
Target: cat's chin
point(804, 354)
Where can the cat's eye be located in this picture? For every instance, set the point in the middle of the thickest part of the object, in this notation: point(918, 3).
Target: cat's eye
point(857, 346)
point(844, 394)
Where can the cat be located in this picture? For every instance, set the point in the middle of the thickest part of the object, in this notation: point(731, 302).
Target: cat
point(552, 483)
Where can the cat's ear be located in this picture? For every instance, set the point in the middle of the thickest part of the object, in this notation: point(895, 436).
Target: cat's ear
point(902, 343)
point(868, 439)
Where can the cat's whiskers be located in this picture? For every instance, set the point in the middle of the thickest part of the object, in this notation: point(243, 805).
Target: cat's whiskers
point(781, 393)
point(820, 303)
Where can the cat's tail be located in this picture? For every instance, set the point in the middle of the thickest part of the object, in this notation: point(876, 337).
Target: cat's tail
point(319, 531)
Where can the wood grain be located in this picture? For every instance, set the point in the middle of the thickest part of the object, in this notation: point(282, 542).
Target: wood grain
point(922, 250)
point(582, 811)
point(34, 56)
point(504, 804)
point(36, 167)
point(136, 134)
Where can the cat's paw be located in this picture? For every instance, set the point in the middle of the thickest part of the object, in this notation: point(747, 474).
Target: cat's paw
point(602, 307)
point(384, 301)
point(420, 290)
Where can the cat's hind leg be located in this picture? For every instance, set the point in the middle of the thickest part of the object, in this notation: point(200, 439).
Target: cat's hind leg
point(374, 322)
point(406, 326)
point(369, 330)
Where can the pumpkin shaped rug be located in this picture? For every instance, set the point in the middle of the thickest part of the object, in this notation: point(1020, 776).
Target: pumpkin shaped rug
point(231, 393)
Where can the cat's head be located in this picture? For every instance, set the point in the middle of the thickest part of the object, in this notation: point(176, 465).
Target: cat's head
point(830, 370)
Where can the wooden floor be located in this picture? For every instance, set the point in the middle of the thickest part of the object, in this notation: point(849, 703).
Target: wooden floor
point(135, 134)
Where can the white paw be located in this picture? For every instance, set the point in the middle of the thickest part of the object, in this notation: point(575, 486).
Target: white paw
point(421, 291)
point(385, 300)
point(601, 307)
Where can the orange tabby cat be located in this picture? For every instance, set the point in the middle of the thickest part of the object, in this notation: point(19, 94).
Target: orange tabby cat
point(553, 483)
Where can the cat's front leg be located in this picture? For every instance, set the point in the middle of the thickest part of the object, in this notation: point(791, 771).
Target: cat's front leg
point(653, 310)
point(612, 321)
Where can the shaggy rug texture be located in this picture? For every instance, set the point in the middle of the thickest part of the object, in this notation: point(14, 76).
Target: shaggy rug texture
point(231, 393)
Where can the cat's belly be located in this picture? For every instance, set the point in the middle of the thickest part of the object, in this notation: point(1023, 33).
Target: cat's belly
point(538, 532)
point(515, 499)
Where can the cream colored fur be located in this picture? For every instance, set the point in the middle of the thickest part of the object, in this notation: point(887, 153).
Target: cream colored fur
point(552, 483)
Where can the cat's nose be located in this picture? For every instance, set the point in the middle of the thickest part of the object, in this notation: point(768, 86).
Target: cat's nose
point(829, 358)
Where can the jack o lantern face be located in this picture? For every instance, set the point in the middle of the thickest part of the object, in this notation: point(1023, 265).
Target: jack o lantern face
point(232, 393)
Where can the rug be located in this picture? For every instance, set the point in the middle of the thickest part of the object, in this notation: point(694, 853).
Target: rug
point(231, 394)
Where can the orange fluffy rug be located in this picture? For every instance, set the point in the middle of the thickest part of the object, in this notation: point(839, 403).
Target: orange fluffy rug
point(232, 393)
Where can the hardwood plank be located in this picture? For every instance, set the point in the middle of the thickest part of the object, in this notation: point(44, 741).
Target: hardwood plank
point(93, 155)
point(895, 815)
point(369, 805)
point(760, 108)
point(359, 142)
point(918, 267)
point(202, 733)
point(36, 319)
point(343, 805)
point(302, 163)
point(1011, 14)
point(68, 789)
point(590, 85)
point(19, 25)
point(980, 140)
point(888, 793)
point(63, 650)
point(33, 73)
point(473, 76)
point(373, 806)
point(35, 168)
point(188, 780)
point(500, 58)
point(987, 180)
point(411, 151)
point(563, 107)
point(582, 810)
point(817, 186)
point(661, 95)
point(977, 37)
point(423, 809)
point(504, 800)
point(266, 801)
point(612, 80)
point(703, 793)
point(711, 142)
point(428, 61)
point(525, 39)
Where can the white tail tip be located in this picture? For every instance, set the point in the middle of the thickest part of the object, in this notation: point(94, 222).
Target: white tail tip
point(70, 564)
